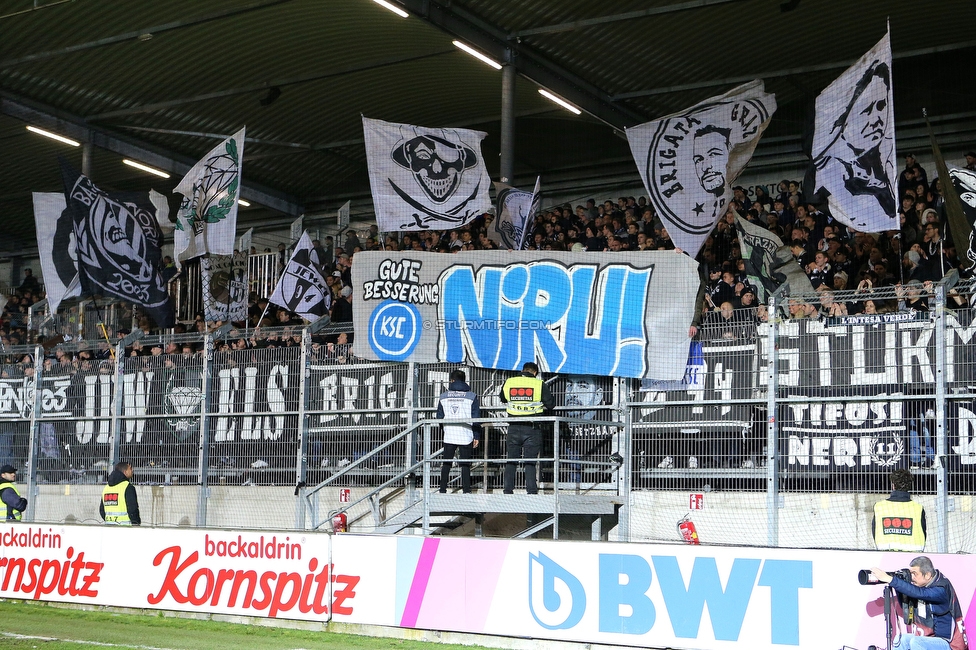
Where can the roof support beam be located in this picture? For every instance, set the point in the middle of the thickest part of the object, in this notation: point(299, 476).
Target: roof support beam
point(178, 165)
point(613, 18)
point(786, 72)
point(495, 42)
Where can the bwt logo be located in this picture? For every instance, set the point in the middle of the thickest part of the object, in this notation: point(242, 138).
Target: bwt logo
point(558, 599)
point(394, 330)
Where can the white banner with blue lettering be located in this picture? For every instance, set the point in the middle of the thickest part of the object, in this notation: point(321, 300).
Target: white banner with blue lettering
point(622, 315)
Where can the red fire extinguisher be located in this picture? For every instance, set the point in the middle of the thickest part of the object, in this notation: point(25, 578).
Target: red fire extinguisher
point(339, 522)
point(687, 530)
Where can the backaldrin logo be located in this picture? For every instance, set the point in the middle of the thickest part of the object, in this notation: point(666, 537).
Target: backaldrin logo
point(558, 599)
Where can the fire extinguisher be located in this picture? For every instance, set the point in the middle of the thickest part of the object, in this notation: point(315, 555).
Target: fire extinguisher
point(339, 522)
point(687, 530)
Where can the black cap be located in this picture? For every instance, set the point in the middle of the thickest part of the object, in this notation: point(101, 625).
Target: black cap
point(8, 469)
point(971, 154)
point(909, 155)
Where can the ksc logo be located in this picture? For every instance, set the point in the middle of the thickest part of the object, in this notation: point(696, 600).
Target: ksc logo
point(394, 330)
point(557, 599)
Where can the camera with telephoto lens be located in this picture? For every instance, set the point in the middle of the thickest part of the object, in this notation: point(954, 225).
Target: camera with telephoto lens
point(865, 577)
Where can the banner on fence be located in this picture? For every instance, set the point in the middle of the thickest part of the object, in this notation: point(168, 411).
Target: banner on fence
point(632, 594)
point(571, 313)
point(263, 574)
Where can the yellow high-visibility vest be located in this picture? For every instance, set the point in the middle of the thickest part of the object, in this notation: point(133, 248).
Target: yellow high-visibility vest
point(524, 396)
point(113, 501)
point(898, 526)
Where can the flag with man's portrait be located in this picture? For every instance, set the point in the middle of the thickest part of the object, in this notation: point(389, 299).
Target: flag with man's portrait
point(514, 215)
point(853, 147)
point(689, 160)
point(207, 219)
point(423, 178)
point(301, 288)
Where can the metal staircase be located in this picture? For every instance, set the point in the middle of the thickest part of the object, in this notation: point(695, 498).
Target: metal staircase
point(579, 510)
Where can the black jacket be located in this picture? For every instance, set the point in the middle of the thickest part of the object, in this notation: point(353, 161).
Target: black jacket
point(131, 501)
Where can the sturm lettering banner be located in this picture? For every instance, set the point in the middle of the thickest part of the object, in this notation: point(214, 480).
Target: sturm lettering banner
point(285, 574)
point(635, 595)
point(626, 315)
point(689, 160)
point(425, 178)
point(854, 144)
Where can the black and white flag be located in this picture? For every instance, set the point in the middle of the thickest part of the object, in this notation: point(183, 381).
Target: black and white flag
point(854, 144)
point(118, 242)
point(768, 263)
point(514, 215)
point(56, 248)
point(224, 279)
point(689, 160)
point(425, 178)
point(302, 289)
point(964, 183)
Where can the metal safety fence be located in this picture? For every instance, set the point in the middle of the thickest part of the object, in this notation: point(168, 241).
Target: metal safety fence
point(783, 432)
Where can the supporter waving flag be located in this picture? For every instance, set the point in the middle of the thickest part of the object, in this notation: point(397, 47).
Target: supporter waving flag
point(207, 220)
point(425, 178)
point(302, 288)
point(515, 215)
point(118, 243)
point(769, 264)
point(689, 160)
point(854, 144)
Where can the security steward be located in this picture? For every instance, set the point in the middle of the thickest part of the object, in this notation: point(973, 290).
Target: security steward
point(119, 505)
point(899, 522)
point(12, 503)
point(525, 396)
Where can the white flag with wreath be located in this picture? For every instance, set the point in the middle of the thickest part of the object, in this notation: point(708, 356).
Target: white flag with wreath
point(207, 220)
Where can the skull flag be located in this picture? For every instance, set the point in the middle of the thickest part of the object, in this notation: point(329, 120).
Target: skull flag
point(515, 215)
point(207, 220)
point(224, 279)
point(302, 289)
point(689, 160)
point(118, 243)
point(425, 178)
point(854, 144)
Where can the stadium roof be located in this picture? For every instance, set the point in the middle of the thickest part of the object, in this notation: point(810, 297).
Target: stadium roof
point(161, 82)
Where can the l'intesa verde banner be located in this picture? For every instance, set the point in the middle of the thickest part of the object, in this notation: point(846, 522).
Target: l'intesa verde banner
point(620, 314)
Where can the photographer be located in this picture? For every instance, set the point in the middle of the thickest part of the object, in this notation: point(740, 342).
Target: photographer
point(929, 606)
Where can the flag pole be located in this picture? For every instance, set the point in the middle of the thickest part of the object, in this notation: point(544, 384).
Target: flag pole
point(101, 326)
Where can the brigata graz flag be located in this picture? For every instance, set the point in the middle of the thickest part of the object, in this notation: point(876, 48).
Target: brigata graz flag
point(689, 160)
point(768, 263)
point(224, 279)
point(515, 214)
point(56, 248)
point(425, 178)
point(118, 243)
point(573, 313)
point(301, 288)
point(207, 220)
point(854, 144)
